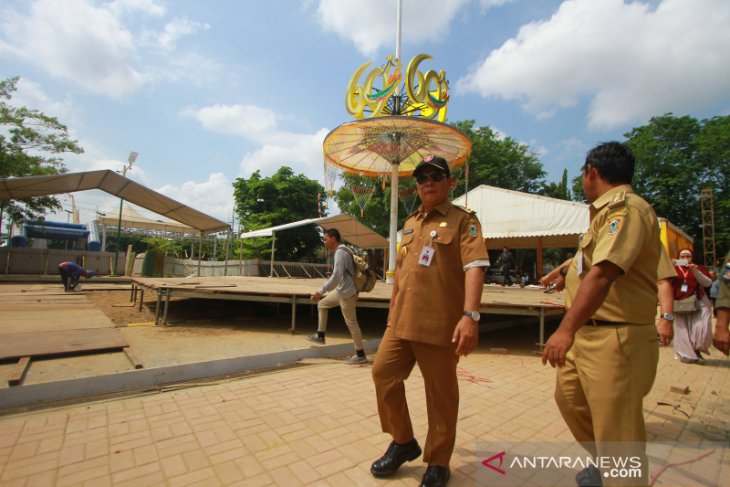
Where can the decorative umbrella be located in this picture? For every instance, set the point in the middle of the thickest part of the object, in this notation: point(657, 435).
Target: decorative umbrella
point(395, 139)
point(393, 144)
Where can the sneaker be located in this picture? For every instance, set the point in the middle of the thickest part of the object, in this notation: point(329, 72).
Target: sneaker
point(316, 339)
point(356, 360)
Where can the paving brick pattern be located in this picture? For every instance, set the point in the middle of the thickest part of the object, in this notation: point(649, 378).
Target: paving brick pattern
point(318, 425)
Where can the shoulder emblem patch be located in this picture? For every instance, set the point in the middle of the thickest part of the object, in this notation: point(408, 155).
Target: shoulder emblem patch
point(473, 230)
point(614, 226)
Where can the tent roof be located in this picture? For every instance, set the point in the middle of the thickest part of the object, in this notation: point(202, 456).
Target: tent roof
point(517, 220)
point(112, 183)
point(133, 219)
point(350, 229)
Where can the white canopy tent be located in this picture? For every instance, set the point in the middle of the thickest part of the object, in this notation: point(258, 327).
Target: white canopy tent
point(526, 221)
point(117, 185)
point(131, 218)
point(520, 220)
point(350, 230)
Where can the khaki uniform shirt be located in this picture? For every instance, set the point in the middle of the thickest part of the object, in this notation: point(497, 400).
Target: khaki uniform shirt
point(666, 268)
point(624, 231)
point(430, 299)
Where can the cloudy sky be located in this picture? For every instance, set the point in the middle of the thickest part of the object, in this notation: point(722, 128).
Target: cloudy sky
point(210, 91)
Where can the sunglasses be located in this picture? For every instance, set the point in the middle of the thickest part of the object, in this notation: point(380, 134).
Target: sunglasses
point(435, 176)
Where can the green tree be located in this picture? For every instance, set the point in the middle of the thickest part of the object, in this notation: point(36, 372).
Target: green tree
point(676, 158)
point(372, 211)
point(30, 145)
point(557, 190)
point(501, 162)
point(279, 199)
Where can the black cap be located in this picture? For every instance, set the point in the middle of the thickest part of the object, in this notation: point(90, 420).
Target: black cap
point(435, 162)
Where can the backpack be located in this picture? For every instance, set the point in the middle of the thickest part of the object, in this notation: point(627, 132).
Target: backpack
point(364, 276)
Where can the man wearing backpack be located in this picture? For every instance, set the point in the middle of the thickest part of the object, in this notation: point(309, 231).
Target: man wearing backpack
point(339, 290)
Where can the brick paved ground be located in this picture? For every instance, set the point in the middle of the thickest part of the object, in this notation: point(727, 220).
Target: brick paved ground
point(317, 425)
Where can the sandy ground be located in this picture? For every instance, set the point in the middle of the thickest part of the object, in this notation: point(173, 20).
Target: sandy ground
point(203, 330)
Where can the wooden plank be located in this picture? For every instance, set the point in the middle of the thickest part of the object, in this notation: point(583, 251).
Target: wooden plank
point(35, 344)
point(18, 372)
point(132, 357)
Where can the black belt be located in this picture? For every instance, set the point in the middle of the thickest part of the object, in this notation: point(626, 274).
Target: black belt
point(604, 323)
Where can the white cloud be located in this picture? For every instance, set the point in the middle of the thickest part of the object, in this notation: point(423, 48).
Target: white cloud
point(632, 62)
point(100, 49)
point(30, 95)
point(301, 152)
point(213, 197)
point(176, 29)
point(372, 25)
point(76, 41)
point(250, 121)
point(148, 7)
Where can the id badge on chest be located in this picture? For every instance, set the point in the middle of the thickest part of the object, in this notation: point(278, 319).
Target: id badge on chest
point(426, 256)
point(683, 288)
point(427, 252)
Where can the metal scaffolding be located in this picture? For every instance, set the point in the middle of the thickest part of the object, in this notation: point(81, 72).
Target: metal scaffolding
point(708, 227)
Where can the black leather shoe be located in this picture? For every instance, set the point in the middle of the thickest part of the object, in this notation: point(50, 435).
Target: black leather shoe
point(435, 476)
point(589, 477)
point(396, 456)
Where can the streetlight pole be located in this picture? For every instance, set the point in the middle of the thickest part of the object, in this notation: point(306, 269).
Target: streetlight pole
point(125, 168)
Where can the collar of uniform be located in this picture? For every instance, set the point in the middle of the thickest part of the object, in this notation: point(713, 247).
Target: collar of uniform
point(442, 208)
point(606, 197)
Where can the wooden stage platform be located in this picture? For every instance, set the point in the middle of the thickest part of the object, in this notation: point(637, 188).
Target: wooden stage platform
point(498, 300)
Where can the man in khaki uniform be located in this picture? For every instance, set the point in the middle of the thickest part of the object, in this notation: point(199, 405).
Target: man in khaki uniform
point(721, 338)
point(433, 319)
point(606, 347)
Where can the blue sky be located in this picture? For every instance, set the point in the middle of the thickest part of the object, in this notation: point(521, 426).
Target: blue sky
point(210, 91)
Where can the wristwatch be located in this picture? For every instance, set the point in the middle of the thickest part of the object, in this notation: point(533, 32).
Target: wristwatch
point(668, 316)
point(474, 315)
point(563, 271)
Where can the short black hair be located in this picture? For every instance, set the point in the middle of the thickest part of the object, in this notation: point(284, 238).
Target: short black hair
point(614, 162)
point(334, 233)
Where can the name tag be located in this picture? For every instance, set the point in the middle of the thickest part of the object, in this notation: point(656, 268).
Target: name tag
point(426, 256)
point(683, 288)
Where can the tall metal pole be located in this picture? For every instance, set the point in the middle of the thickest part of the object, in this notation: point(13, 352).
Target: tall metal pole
point(125, 168)
point(390, 274)
point(398, 28)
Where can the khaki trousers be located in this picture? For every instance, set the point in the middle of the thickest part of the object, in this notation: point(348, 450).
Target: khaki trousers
point(393, 364)
point(348, 307)
point(600, 391)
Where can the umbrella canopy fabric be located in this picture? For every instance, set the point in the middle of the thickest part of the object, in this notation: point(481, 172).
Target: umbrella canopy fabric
point(113, 183)
point(370, 147)
point(350, 229)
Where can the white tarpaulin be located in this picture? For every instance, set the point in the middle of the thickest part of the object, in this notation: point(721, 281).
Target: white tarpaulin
point(133, 219)
point(521, 220)
point(350, 230)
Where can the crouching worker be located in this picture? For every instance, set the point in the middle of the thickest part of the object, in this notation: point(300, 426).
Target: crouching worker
point(71, 273)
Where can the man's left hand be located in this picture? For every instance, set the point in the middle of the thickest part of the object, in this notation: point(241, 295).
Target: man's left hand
point(665, 330)
point(316, 296)
point(557, 348)
point(466, 336)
